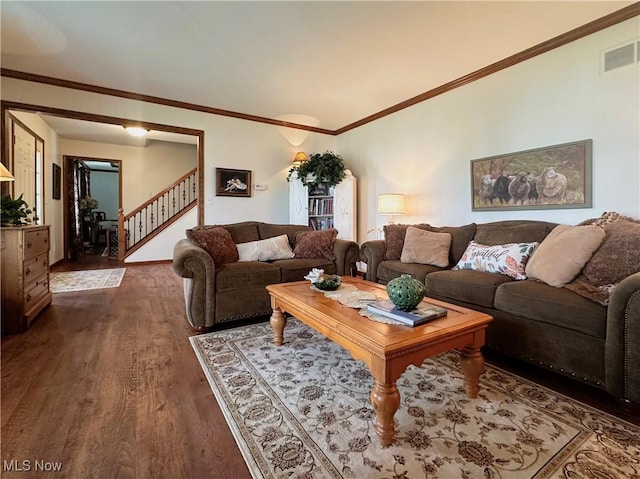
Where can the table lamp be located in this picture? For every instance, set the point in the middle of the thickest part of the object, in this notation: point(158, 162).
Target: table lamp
point(391, 204)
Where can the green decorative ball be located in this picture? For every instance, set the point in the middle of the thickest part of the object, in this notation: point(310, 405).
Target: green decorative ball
point(405, 292)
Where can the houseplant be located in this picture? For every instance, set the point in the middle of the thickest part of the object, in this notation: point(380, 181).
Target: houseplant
point(327, 168)
point(14, 212)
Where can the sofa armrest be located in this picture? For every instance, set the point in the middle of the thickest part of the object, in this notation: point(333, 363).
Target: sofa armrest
point(196, 266)
point(622, 346)
point(347, 253)
point(372, 253)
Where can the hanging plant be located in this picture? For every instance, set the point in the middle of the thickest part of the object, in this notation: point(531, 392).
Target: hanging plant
point(14, 212)
point(326, 168)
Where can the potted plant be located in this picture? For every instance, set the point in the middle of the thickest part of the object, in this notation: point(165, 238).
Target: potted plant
point(14, 212)
point(326, 168)
point(88, 203)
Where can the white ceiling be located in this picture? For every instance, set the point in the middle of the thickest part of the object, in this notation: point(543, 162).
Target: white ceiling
point(334, 62)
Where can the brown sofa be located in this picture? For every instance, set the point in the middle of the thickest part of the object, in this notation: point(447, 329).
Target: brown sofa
point(236, 290)
point(552, 327)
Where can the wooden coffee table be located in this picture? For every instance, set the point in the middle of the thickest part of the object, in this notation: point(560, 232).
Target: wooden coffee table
point(385, 348)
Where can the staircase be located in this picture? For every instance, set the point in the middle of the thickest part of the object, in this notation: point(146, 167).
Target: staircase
point(145, 222)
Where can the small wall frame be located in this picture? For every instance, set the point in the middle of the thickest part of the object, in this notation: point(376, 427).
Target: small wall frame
point(557, 176)
point(56, 176)
point(231, 182)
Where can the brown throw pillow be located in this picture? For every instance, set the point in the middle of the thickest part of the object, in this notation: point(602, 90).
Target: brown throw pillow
point(426, 247)
point(315, 244)
point(216, 241)
point(618, 256)
point(394, 241)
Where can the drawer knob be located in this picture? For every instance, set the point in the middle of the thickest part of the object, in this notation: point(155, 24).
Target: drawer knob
point(28, 244)
point(28, 297)
point(27, 271)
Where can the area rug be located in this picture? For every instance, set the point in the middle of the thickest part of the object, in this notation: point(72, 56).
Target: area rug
point(302, 410)
point(68, 281)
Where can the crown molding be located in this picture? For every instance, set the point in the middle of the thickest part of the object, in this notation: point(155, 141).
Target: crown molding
point(614, 18)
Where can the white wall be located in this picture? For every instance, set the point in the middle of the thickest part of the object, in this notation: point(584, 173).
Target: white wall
point(559, 97)
point(145, 170)
point(228, 143)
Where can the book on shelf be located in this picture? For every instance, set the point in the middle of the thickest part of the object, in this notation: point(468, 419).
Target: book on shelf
point(420, 315)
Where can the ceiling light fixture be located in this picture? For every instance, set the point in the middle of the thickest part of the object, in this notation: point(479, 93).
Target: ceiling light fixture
point(136, 131)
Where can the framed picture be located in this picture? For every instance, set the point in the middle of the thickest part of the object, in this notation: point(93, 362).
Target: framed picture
point(233, 182)
point(55, 186)
point(556, 176)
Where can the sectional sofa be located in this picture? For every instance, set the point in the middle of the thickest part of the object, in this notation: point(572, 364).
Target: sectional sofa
point(582, 330)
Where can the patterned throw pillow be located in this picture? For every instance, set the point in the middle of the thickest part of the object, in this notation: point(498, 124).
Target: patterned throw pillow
point(508, 259)
point(216, 241)
point(315, 244)
point(266, 249)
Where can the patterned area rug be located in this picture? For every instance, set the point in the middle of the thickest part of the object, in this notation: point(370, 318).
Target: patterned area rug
point(302, 410)
point(81, 280)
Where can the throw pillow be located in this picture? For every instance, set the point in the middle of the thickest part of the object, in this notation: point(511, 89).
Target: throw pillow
point(265, 250)
point(426, 247)
point(216, 241)
point(605, 219)
point(316, 244)
point(563, 253)
point(508, 259)
point(394, 240)
point(618, 256)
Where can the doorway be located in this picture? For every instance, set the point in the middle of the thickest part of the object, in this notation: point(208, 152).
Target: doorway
point(93, 199)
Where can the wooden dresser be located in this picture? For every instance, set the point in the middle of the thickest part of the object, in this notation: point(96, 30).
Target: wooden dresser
point(25, 275)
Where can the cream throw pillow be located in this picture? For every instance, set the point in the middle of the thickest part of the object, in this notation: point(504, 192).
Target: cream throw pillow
point(265, 250)
point(426, 247)
point(563, 253)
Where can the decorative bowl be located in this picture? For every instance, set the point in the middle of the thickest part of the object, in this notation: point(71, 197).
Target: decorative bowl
point(328, 282)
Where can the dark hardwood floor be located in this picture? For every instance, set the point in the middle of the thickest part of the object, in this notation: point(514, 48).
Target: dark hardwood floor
point(106, 383)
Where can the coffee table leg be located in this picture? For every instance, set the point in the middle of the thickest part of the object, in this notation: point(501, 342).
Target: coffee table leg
point(278, 322)
point(385, 399)
point(472, 364)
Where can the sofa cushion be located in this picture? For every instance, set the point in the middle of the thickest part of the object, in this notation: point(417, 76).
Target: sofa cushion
point(559, 306)
point(388, 270)
point(268, 230)
point(460, 237)
point(426, 247)
point(394, 240)
point(243, 232)
point(216, 241)
point(265, 250)
point(474, 287)
point(246, 275)
point(508, 259)
point(618, 256)
point(295, 269)
point(563, 253)
point(514, 231)
point(316, 244)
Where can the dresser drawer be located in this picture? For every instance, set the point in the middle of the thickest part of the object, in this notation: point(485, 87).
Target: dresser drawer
point(35, 242)
point(34, 267)
point(35, 291)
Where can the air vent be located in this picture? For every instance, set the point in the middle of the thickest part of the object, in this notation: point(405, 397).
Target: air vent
point(621, 56)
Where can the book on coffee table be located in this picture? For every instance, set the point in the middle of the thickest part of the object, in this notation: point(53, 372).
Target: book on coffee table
point(420, 315)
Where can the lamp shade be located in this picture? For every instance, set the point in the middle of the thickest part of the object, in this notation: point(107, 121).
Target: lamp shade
point(300, 158)
point(5, 175)
point(391, 204)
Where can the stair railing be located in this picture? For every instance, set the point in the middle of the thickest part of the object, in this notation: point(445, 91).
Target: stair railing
point(148, 219)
